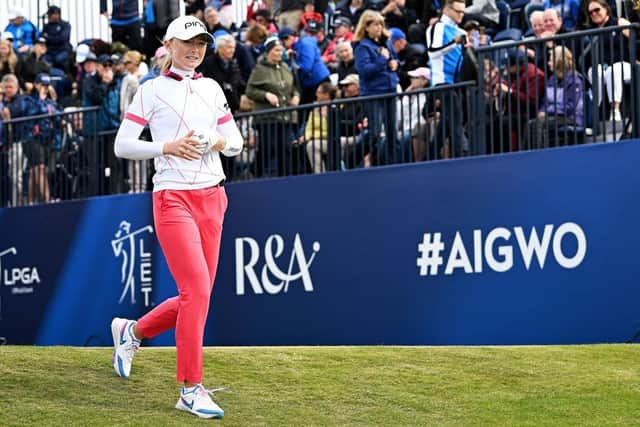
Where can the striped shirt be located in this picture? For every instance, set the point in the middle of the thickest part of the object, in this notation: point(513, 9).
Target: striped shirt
point(444, 53)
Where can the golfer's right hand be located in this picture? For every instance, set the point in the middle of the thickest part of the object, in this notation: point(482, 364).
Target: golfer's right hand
point(184, 148)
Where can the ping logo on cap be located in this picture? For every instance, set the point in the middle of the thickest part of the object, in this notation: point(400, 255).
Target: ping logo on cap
point(190, 24)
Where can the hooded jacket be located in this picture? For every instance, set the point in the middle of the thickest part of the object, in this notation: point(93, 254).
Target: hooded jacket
point(274, 78)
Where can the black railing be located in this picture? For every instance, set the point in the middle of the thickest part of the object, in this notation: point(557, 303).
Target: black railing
point(499, 113)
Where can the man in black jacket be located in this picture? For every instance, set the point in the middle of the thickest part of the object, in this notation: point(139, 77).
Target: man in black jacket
point(57, 34)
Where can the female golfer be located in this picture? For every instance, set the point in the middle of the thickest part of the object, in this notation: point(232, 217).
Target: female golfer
point(190, 125)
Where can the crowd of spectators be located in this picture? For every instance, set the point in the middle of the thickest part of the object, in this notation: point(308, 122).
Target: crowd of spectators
point(290, 53)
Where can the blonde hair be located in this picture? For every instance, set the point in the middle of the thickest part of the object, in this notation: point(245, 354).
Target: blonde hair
point(166, 62)
point(132, 56)
point(367, 18)
point(12, 58)
point(562, 61)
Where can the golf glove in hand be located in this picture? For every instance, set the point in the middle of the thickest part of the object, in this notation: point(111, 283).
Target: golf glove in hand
point(207, 140)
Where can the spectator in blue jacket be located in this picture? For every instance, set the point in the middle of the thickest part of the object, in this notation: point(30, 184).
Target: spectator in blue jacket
point(312, 70)
point(23, 30)
point(57, 33)
point(377, 66)
point(125, 22)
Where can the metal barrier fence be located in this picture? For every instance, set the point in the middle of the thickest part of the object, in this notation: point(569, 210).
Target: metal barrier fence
point(600, 73)
point(500, 112)
point(48, 158)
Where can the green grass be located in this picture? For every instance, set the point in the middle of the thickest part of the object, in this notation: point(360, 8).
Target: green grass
point(360, 386)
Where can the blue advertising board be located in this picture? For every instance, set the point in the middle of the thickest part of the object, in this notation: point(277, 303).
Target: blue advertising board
point(527, 248)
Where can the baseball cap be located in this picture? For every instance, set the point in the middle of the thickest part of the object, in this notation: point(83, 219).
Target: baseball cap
point(516, 56)
point(187, 27)
point(397, 34)
point(15, 12)
point(81, 53)
point(342, 21)
point(43, 79)
point(313, 26)
point(286, 32)
point(350, 80)
point(105, 58)
point(160, 52)
point(41, 40)
point(220, 33)
point(7, 35)
point(271, 42)
point(423, 72)
point(53, 9)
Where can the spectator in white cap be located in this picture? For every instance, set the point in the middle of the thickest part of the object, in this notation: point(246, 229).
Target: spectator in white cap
point(420, 76)
point(412, 125)
point(352, 123)
point(87, 64)
point(350, 79)
point(23, 30)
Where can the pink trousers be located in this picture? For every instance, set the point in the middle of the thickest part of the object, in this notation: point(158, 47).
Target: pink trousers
point(189, 226)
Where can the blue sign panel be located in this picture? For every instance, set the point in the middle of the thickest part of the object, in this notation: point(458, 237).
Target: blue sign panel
point(527, 248)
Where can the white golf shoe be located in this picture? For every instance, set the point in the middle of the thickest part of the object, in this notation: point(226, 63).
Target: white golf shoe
point(125, 346)
point(197, 400)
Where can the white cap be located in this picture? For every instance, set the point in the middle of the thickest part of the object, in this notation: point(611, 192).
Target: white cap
point(423, 72)
point(187, 27)
point(6, 35)
point(81, 53)
point(15, 12)
point(351, 79)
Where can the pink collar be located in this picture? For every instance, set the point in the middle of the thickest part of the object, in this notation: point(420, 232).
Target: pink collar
point(178, 77)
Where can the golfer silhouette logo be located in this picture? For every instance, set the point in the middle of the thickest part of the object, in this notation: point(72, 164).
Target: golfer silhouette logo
point(124, 245)
point(12, 250)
